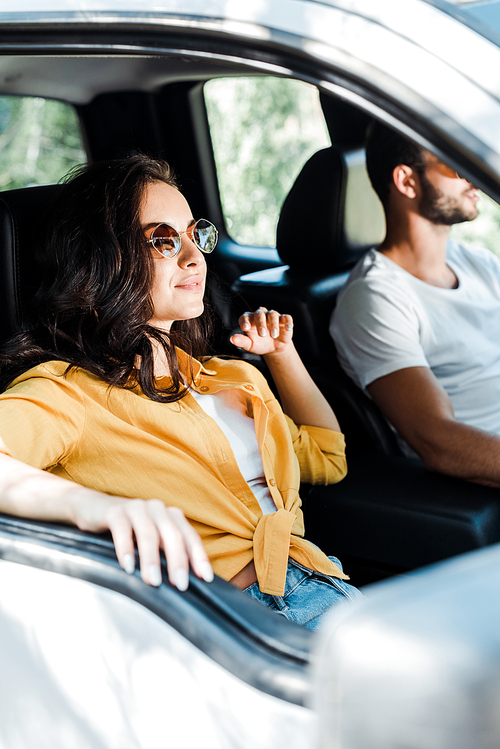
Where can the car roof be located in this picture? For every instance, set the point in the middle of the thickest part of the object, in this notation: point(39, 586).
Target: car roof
point(403, 63)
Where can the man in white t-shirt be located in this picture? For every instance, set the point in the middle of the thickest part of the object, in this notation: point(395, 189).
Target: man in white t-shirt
point(418, 323)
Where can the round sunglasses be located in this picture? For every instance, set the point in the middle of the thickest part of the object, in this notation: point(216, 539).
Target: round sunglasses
point(167, 241)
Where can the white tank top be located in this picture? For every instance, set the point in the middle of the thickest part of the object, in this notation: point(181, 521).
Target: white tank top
point(228, 409)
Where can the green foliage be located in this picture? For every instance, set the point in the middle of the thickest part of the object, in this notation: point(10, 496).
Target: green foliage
point(40, 141)
point(484, 231)
point(263, 131)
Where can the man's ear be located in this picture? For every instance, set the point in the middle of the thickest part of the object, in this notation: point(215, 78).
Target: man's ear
point(405, 180)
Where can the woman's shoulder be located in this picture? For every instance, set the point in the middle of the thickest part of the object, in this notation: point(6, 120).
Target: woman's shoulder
point(48, 369)
point(57, 371)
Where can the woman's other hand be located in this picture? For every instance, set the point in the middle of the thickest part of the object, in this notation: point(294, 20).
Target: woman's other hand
point(154, 527)
point(264, 332)
point(269, 334)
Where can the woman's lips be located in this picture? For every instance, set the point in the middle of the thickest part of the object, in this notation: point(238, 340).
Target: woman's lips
point(193, 284)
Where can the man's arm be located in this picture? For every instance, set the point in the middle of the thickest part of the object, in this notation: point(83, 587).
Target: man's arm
point(420, 409)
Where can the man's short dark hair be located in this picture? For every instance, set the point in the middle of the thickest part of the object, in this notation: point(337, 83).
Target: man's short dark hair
point(385, 150)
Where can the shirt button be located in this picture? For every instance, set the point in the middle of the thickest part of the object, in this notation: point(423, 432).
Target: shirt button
point(204, 388)
point(249, 387)
point(272, 482)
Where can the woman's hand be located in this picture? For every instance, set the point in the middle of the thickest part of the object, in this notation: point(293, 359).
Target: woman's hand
point(269, 334)
point(154, 527)
point(28, 492)
point(264, 332)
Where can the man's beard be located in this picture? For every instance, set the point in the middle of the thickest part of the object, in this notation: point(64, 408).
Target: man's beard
point(438, 209)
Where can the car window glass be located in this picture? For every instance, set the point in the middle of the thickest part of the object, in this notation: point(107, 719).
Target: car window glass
point(40, 140)
point(263, 131)
point(483, 231)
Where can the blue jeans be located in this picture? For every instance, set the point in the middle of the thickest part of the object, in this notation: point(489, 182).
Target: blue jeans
point(308, 595)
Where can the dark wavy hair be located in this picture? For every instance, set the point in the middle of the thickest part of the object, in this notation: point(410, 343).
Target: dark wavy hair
point(94, 302)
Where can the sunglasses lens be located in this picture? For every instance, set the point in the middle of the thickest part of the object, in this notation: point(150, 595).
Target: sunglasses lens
point(205, 235)
point(166, 240)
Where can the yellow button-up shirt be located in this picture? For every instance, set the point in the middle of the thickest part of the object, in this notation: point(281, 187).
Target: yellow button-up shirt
point(120, 442)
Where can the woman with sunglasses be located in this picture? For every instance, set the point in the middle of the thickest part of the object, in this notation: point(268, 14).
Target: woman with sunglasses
point(109, 384)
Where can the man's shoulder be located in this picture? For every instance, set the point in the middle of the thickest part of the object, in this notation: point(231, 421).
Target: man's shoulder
point(374, 275)
point(378, 296)
point(476, 266)
point(471, 256)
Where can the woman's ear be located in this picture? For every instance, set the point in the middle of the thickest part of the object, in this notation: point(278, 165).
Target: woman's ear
point(405, 180)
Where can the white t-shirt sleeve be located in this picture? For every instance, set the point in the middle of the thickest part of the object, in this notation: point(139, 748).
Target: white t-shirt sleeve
point(376, 329)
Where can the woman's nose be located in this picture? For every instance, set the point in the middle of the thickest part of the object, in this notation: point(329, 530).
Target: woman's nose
point(189, 254)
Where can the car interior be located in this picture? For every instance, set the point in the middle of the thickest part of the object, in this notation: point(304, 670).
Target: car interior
point(389, 515)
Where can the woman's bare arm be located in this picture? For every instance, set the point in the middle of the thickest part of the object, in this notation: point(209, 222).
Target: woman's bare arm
point(31, 493)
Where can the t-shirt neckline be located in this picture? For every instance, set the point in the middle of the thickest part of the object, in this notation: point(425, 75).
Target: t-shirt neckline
point(451, 265)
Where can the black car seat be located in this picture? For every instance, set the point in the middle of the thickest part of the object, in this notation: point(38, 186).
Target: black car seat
point(21, 214)
point(312, 241)
point(317, 265)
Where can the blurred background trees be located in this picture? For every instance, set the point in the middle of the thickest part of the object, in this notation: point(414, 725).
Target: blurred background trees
point(263, 131)
point(484, 231)
point(40, 141)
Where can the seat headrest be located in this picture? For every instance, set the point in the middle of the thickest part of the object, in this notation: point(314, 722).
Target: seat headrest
point(346, 124)
point(21, 216)
point(310, 226)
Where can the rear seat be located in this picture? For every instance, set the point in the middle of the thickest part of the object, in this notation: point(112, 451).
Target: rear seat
point(21, 216)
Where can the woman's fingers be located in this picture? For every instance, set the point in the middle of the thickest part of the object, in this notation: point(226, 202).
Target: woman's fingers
point(286, 326)
point(181, 544)
point(254, 321)
point(195, 553)
point(261, 324)
point(273, 323)
point(265, 322)
point(156, 526)
point(121, 531)
point(170, 539)
point(131, 519)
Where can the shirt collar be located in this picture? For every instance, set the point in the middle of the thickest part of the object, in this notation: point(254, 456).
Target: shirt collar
point(185, 362)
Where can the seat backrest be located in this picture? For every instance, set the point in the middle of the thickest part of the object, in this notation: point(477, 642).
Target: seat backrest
point(309, 240)
point(312, 241)
point(21, 216)
point(310, 233)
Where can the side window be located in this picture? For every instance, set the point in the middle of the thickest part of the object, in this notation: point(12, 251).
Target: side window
point(40, 140)
point(484, 231)
point(263, 130)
